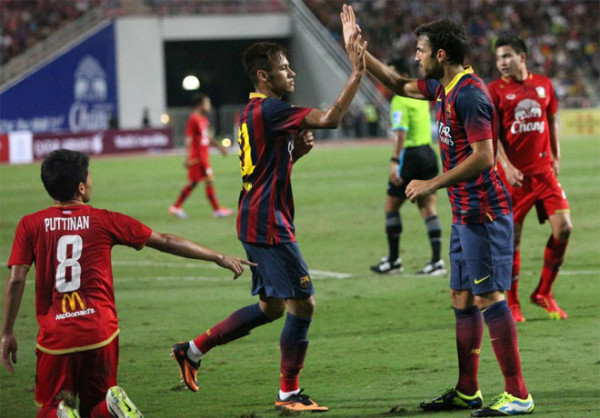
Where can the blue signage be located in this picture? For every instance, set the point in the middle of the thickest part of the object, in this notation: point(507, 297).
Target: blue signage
point(77, 91)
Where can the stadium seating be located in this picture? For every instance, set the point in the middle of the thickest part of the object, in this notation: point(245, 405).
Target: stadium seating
point(562, 36)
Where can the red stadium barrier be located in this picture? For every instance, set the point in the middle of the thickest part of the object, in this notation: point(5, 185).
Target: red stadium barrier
point(23, 147)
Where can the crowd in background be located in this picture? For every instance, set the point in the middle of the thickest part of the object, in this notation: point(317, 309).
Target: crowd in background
point(170, 7)
point(562, 35)
point(23, 23)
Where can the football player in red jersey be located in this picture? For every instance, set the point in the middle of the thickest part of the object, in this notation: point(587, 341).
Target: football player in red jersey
point(481, 236)
point(530, 158)
point(197, 142)
point(70, 243)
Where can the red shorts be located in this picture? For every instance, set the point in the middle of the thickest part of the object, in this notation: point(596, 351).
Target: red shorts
point(542, 190)
point(86, 374)
point(200, 170)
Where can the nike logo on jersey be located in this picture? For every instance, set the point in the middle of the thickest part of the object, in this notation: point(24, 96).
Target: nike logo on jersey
point(481, 280)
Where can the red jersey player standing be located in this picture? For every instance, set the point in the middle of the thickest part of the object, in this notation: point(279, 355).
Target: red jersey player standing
point(70, 243)
point(527, 106)
point(197, 142)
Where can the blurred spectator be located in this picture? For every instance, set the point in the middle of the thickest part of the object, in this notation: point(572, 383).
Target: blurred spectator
point(113, 122)
point(371, 119)
point(146, 118)
point(23, 23)
point(563, 36)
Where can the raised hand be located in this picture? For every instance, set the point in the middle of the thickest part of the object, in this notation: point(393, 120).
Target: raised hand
point(357, 52)
point(349, 25)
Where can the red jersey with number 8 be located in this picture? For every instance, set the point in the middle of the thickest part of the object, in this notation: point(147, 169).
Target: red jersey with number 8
point(523, 107)
point(71, 247)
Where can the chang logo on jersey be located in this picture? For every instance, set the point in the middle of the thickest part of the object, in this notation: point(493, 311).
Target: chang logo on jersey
point(73, 306)
point(528, 109)
point(444, 134)
point(90, 111)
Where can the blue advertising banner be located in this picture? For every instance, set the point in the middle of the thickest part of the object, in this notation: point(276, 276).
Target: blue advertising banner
point(77, 91)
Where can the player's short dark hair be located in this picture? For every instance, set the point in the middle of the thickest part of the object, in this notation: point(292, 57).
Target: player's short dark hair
point(198, 99)
point(512, 40)
point(260, 56)
point(448, 35)
point(400, 65)
point(62, 171)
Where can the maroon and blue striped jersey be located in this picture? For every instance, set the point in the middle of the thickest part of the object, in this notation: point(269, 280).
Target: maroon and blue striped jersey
point(266, 137)
point(465, 114)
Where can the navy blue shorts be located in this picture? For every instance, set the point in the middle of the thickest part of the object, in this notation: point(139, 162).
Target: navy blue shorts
point(281, 271)
point(481, 256)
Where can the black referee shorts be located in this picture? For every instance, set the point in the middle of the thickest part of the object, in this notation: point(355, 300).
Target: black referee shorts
point(418, 163)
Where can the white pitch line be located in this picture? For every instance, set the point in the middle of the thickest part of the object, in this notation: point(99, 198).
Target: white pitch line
point(315, 273)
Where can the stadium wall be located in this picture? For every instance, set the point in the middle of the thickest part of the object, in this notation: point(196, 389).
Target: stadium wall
point(140, 52)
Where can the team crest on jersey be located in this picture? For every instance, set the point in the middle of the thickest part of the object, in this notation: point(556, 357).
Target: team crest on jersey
point(448, 111)
point(541, 92)
point(511, 96)
point(304, 282)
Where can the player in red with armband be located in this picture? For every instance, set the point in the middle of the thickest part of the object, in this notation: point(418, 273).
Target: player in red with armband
point(70, 243)
point(530, 156)
point(197, 142)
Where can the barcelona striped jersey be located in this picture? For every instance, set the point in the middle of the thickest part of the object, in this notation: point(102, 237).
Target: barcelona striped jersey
point(465, 114)
point(267, 130)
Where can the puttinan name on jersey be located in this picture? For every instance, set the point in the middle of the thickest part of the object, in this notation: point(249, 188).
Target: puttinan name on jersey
point(75, 223)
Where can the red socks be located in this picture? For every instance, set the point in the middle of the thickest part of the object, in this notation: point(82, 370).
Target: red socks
point(554, 255)
point(503, 333)
point(469, 331)
point(185, 192)
point(100, 410)
point(211, 195)
point(513, 294)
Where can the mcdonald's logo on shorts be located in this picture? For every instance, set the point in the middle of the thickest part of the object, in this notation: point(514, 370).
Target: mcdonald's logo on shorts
point(73, 299)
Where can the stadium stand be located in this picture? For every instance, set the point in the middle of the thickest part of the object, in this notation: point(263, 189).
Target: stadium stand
point(26, 22)
point(175, 7)
point(562, 36)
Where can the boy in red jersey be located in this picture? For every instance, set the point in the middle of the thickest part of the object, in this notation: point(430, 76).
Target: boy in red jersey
point(70, 243)
point(530, 158)
point(481, 237)
point(272, 137)
point(197, 142)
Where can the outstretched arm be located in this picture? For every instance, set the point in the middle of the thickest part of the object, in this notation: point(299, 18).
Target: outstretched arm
point(332, 117)
point(386, 75)
point(481, 159)
point(15, 285)
point(182, 247)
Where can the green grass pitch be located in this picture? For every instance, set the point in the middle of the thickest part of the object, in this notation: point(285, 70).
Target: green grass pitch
point(376, 342)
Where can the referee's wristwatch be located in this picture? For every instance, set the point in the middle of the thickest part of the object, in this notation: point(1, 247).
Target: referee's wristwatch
point(395, 160)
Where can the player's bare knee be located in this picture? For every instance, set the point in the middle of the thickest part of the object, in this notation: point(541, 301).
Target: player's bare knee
point(461, 299)
point(272, 308)
point(304, 308)
point(487, 299)
point(564, 231)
